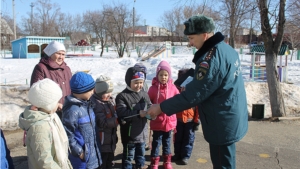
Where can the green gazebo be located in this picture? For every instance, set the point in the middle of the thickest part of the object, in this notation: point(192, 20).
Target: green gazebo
point(258, 69)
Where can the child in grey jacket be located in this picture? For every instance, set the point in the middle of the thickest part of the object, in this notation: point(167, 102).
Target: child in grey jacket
point(131, 106)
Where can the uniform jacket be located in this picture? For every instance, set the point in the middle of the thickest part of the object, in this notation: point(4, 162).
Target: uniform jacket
point(79, 122)
point(6, 161)
point(41, 152)
point(61, 74)
point(218, 90)
point(158, 93)
point(130, 103)
point(106, 120)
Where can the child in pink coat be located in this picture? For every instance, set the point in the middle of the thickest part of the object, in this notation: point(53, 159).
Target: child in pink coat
point(162, 88)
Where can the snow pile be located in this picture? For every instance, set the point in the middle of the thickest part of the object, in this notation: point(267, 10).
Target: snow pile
point(17, 73)
point(258, 93)
point(14, 99)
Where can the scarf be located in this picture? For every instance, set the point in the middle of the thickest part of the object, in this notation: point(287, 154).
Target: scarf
point(60, 139)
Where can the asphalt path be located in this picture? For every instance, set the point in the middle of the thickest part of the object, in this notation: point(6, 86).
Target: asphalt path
point(267, 145)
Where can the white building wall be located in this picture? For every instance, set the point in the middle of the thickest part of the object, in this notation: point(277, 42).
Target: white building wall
point(154, 31)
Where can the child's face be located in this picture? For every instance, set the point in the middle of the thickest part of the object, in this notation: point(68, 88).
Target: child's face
point(85, 96)
point(106, 96)
point(163, 76)
point(136, 85)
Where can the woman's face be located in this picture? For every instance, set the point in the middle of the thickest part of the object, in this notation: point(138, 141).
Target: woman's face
point(58, 57)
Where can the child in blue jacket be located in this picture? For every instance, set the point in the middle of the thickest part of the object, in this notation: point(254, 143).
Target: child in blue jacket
point(5, 158)
point(79, 122)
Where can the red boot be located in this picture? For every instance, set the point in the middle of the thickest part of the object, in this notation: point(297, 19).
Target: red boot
point(167, 161)
point(154, 162)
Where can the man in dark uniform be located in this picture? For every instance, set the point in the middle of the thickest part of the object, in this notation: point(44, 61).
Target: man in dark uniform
point(217, 89)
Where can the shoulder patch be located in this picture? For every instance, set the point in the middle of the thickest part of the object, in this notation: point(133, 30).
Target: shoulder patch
point(204, 64)
point(201, 73)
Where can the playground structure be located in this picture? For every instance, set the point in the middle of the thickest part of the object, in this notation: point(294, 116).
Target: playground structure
point(81, 46)
point(258, 65)
point(160, 52)
point(32, 46)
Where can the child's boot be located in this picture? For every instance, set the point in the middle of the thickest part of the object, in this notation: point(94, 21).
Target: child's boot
point(167, 161)
point(154, 162)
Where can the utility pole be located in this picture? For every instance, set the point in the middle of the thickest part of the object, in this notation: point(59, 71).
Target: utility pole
point(13, 5)
point(1, 31)
point(31, 17)
point(133, 21)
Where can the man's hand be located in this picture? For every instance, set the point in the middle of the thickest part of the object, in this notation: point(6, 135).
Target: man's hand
point(143, 113)
point(182, 89)
point(154, 110)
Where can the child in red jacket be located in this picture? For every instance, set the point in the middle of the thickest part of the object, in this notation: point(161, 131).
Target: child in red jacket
point(187, 123)
point(162, 88)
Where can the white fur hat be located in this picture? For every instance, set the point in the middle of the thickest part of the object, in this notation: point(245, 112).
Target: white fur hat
point(45, 94)
point(53, 47)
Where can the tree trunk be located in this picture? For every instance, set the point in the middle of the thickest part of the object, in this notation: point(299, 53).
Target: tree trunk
point(102, 46)
point(275, 93)
point(272, 47)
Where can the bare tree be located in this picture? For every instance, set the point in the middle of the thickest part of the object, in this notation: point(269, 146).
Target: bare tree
point(292, 34)
point(142, 47)
point(118, 26)
point(272, 47)
point(234, 13)
point(45, 18)
point(169, 20)
point(173, 20)
point(292, 31)
point(94, 22)
point(254, 21)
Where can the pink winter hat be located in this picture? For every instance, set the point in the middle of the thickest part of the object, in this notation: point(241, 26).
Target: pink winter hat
point(164, 65)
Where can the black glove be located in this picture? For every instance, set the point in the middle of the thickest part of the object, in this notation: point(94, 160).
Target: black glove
point(196, 126)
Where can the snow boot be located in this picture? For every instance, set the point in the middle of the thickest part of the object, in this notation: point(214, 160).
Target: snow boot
point(167, 161)
point(154, 162)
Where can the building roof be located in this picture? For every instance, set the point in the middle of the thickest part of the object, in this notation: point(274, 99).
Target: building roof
point(140, 32)
point(5, 29)
point(260, 49)
point(39, 37)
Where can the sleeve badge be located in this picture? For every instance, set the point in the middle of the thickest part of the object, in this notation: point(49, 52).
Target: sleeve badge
point(204, 64)
point(201, 73)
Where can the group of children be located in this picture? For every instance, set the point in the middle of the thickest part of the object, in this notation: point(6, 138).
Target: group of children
point(86, 135)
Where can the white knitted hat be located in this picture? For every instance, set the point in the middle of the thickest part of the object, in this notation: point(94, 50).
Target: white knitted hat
point(53, 47)
point(45, 94)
